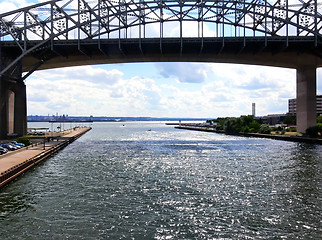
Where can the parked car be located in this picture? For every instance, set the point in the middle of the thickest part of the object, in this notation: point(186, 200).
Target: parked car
point(8, 146)
point(14, 145)
point(17, 144)
point(3, 150)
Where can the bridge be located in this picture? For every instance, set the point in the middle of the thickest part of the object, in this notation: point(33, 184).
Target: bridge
point(60, 33)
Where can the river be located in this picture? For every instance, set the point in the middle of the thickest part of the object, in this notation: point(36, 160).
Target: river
point(146, 180)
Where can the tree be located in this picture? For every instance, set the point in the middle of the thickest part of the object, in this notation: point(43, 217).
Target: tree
point(289, 120)
point(319, 119)
point(254, 126)
point(265, 129)
point(241, 124)
point(230, 126)
point(313, 131)
point(320, 128)
point(247, 120)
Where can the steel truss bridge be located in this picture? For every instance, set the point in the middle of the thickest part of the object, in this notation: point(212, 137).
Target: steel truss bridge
point(59, 33)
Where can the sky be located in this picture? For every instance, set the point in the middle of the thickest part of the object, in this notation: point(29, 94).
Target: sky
point(196, 90)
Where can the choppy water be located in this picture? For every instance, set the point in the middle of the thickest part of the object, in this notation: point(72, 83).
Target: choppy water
point(124, 182)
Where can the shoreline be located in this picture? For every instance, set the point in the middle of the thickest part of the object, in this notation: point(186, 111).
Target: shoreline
point(15, 163)
point(258, 135)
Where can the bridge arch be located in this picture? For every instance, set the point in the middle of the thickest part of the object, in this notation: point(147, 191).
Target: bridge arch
point(60, 33)
point(37, 29)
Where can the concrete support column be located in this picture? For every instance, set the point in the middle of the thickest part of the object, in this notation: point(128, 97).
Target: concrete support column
point(13, 103)
point(20, 109)
point(305, 98)
point(11, 112)
point(3, 109)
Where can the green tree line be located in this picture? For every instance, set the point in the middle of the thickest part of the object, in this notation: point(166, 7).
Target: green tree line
point(247, 124)
point(233, 125)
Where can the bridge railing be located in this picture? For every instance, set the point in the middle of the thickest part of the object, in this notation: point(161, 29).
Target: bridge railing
point(79, 19)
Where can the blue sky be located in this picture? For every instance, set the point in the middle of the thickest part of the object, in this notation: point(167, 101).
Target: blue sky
point(159, 89)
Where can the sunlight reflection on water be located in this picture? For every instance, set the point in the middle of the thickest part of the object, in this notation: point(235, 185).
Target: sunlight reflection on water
point(127, 182)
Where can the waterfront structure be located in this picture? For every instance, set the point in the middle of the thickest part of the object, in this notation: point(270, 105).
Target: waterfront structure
point(272, 119)
point(62, 33)
point(14, 164)
point(292, 105)
point(253, 109)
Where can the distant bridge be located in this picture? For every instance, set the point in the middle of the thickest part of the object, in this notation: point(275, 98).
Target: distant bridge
point(60, 33)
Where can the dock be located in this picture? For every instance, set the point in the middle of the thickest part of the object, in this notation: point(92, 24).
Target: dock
point(15, 163)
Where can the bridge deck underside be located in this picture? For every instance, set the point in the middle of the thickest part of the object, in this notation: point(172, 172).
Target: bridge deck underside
point(259, 51)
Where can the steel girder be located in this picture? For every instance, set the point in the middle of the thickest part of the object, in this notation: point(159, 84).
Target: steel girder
point(44, 23)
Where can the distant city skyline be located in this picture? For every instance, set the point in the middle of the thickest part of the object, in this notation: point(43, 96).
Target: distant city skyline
point(191, 90)
point(66, 118)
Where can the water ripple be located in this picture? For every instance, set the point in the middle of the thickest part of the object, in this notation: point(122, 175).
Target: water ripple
point(130, 183)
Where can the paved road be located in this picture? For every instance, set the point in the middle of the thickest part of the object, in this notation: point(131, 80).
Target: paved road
point(14, 158)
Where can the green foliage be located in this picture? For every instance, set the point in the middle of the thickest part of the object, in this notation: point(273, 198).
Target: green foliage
point(289, 120)
point(230, 126)
point(260, 121)
point(237, 125)
point(319, 119)
point(254, 126)
point(245, 129)
point(219, 127)
point(23, 140)
point(247, 120)
point(279, 128)
point(292, 129)
point(265, 129)
point(314, 131)
point(320, 128)
point(221, 122)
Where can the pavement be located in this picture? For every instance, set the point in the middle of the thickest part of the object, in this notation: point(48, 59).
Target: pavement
point(14, 158)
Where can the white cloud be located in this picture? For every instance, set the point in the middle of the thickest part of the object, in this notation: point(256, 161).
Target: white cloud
point(226, 90)
point(127, 97)
point(86, 73)
point(184, 72)
point(241, 85)
point(10, 5)
point(230, 89)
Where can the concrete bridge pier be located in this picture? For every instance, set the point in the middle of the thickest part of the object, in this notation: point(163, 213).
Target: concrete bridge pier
point(3, 109)
point(13, 108)
point(305, 97)
point(20, 109)
point(13, 104)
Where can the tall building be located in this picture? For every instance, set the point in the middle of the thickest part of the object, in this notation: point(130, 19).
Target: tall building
point(253, 109)
point(292, 105)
